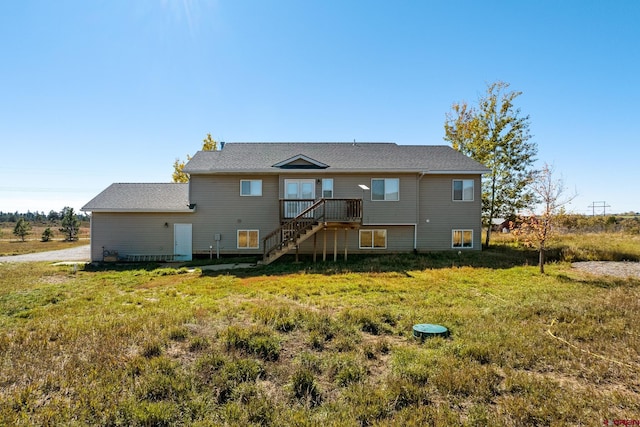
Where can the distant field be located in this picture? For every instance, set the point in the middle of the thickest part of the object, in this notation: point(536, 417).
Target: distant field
point(325, 344)
point(13, 245)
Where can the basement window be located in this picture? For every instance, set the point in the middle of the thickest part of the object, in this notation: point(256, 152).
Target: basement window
point(462, 239)
point(248, 239)
point(373, 239)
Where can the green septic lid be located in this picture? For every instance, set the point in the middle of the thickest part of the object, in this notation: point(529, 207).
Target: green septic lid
point(427, 330)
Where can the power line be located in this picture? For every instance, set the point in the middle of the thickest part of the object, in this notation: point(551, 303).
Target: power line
point(599, 205)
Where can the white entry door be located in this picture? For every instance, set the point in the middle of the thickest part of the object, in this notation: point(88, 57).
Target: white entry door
point(298, 189)
point(182, 250)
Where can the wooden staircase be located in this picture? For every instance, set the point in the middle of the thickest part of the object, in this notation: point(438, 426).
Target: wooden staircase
point(290, 244)
point(307, 223)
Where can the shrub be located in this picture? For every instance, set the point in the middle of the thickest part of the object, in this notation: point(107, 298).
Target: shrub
point(151, 348)
point(256, 341)
point(367, 405)
point(346, 370)
point(198, 344)
point(310, 361)
point(282, 318)
point(412, 364)
point(304, 387)
point(206, 367)
point(47, 234)
point(178, 333)
point(231, 374)
point(158, 414)
point(402, 393)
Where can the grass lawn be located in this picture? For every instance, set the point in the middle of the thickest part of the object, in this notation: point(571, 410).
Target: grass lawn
point(325, 344)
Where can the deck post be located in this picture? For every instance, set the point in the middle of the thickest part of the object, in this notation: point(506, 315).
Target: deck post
point(335, 244)
point(315, 240)
point(324, 248)
point(345, 243)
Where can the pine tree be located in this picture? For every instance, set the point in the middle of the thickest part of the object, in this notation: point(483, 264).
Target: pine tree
point(70, 224)
point(47, 234)
point(22, 228)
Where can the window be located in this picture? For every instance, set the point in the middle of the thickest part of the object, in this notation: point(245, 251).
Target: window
point(387, 189)
point(251, 187)
point(373, 239)
point(463, 190)
point(327, 188)
point(248, 239)
point(462, 239)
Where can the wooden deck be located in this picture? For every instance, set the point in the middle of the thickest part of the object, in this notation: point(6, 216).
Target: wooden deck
point(310, 217)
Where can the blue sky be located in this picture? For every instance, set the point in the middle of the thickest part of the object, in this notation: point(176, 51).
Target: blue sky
point(98, 92)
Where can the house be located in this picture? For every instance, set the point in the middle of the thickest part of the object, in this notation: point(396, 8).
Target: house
point(269, 199)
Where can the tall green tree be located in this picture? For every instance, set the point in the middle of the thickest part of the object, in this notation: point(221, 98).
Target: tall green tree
point(70, 224)
point(496, 134)
point(208, 144)
point(22, 229)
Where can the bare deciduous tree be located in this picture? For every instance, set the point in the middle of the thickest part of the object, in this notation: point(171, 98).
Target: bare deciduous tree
point(537, 228)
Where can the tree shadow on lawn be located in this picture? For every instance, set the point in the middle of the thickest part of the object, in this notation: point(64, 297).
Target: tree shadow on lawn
point(495, 258)
point(602, 281)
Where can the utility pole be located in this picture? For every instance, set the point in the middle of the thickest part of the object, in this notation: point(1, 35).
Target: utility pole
point(599, 205)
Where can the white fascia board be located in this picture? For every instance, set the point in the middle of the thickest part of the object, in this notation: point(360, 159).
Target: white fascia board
point(142, 210)
point(457, 172)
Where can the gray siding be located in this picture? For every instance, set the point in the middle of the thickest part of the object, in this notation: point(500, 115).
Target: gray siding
point(221, 210)
point(402, 211)
point(399, 239)
point(444, 215)
point(134, 233)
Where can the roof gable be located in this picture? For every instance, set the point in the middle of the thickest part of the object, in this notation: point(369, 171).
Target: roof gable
point(300, 162)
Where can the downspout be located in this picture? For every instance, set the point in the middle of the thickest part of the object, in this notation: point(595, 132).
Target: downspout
point(415, 227)
point(91, 237)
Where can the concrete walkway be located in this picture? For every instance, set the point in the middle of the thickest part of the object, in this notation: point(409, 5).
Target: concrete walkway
point(217, 267)
point(82, 254)
point(79, 253)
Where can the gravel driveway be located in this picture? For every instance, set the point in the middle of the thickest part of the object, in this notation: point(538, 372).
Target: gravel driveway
point(624, 269)
point(79, 253)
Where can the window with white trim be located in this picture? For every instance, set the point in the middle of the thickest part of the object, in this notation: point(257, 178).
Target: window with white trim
point(385, 189)
point(248, 239)
point(463, 190)
point(327, 188)
point(462, 239)
point(251, 187)
point(373, 239)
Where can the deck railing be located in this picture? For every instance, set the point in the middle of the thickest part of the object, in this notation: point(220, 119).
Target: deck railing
point(330, 210)
point(301, 215)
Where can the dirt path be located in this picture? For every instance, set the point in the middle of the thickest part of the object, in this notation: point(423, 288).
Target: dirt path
point(79, 253)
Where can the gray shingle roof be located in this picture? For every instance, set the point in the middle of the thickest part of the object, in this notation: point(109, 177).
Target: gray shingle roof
point(169, 197)
point(340, 157)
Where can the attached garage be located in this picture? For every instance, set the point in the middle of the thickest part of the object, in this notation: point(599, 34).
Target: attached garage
point(139, 222)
